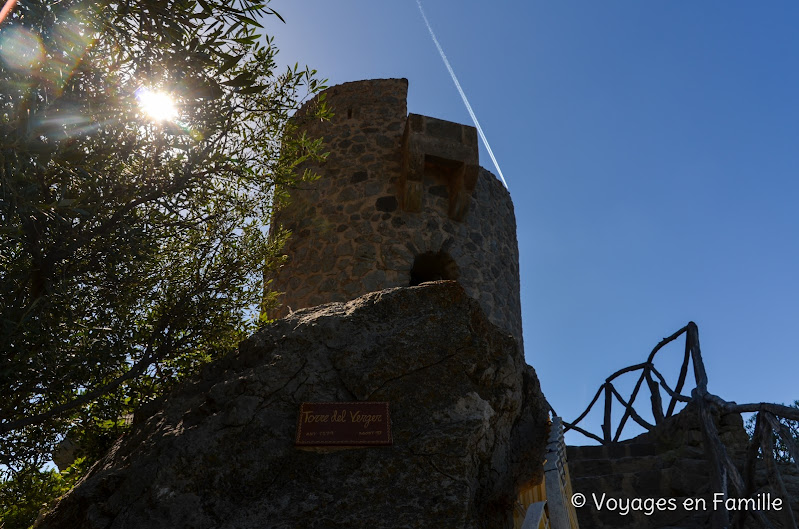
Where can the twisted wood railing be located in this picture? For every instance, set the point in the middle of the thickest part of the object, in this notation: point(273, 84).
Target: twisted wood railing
point(724, 473)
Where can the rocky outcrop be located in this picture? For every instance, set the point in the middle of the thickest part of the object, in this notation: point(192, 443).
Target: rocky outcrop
point(468, 419)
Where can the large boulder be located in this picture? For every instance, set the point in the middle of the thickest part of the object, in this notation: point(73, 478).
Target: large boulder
point(468, 418)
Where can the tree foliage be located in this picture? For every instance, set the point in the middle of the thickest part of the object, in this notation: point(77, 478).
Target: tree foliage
point(22, 498)
point(131, 249)
point(781, 452)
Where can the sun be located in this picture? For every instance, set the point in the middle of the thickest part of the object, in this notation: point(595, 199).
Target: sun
point(157, 105)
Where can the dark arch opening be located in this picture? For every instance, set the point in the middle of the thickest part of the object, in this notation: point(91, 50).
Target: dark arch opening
point(433, 266)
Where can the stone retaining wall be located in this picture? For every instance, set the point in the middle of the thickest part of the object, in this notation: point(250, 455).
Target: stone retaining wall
point(669, 463)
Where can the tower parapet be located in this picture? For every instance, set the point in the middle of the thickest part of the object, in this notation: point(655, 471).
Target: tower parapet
point(400, 200)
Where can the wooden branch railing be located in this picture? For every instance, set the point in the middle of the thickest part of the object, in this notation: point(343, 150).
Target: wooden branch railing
point(654, 381)
point(724, 472)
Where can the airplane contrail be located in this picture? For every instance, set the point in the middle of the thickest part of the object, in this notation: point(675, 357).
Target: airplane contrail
point(463, 95)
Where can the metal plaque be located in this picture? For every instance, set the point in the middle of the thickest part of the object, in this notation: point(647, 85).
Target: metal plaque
point(343, 424)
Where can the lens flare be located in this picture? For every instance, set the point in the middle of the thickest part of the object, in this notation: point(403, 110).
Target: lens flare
point(20, 49)
point(157, 105)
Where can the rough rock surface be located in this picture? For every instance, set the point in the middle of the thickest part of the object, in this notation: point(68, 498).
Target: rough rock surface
point(468, 419)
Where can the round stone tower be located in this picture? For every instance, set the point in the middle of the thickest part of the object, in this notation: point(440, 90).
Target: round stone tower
point(400, 200)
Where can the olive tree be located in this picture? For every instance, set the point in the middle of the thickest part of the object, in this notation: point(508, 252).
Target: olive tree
point(141, 144)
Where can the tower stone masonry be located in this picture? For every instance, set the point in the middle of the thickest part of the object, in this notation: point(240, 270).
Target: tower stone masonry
point(401, 200)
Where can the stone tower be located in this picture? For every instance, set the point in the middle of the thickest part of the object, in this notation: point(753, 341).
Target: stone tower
point(400, 200)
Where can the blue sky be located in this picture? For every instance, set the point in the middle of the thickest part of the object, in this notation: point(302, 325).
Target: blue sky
point(651, 150)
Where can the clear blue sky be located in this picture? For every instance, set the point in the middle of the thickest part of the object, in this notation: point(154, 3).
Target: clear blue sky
point(651, 149)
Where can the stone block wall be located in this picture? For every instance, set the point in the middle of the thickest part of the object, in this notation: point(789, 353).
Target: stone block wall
point(352, 229)
point(669, 463)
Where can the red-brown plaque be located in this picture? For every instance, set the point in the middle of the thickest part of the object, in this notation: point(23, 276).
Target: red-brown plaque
point(343, 424)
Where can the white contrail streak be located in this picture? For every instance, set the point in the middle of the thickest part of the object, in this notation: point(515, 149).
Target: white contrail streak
point(463, 95)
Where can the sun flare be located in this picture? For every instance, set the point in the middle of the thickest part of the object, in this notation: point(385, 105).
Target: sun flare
point(157, 105)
